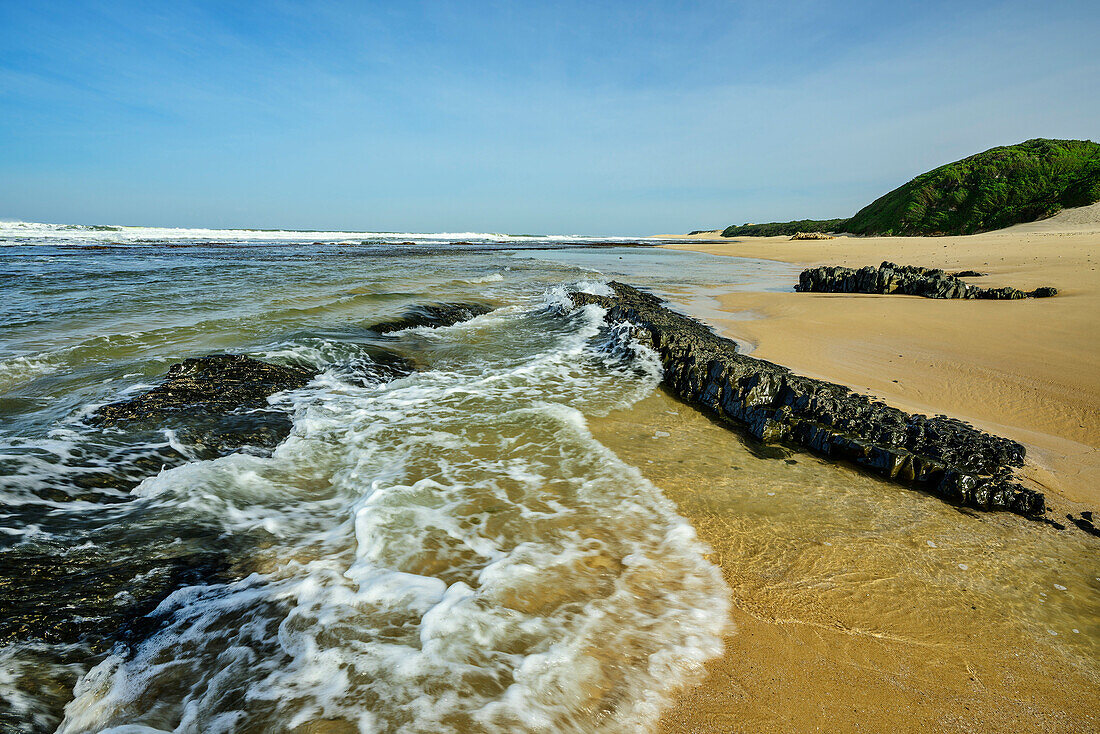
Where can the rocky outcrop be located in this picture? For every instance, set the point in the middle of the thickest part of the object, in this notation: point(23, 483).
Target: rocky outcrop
point(942, 455)
point(217, 404)
point(908, 280)
point(812, 236)
point(217, 383)
point(90, 595)
point(68, 608)
point(432, 315)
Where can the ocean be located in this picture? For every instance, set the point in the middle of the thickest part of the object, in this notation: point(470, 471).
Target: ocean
point(448, 551)
point(523, 534)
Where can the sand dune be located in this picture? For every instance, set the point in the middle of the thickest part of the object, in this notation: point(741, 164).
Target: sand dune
point(1079, 219)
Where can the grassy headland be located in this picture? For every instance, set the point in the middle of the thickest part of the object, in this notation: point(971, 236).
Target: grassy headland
point(998, 188)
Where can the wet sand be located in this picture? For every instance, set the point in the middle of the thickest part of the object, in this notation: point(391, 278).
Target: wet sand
point(858, 605)
point(851, 609)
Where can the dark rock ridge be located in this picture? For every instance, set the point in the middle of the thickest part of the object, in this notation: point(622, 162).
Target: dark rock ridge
point(942, 455)
point(70, 604)
point(217, 383)
point(217, 403)
point(432, 315)
point(907, 280)
point(91, 596)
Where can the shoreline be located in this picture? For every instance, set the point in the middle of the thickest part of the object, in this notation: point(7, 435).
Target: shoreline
point(856, 606)
point(1022, 369)
point(945, 458)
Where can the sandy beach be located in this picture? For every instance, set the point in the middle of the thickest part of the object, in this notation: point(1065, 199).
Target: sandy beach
point(346, 386)
point(1028, 370)
point(798, 661)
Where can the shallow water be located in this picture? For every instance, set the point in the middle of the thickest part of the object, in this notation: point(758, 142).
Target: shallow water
point(451, 551)
point(884, 608)
point(897, 561)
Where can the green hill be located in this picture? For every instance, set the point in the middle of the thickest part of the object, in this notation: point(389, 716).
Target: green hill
point(990, 190)
point(773, 229)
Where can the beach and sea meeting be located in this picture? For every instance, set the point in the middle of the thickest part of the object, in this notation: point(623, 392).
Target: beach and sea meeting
point(486, 543)
point(355, 444)
point(448, 549)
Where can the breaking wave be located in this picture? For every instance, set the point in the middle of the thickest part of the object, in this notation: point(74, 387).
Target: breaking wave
point(453, 550)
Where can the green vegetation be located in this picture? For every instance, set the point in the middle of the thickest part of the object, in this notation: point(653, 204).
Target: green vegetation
point(774, 229)
point(990, 190)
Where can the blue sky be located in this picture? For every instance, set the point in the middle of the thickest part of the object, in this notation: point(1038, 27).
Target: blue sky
point(591, 117)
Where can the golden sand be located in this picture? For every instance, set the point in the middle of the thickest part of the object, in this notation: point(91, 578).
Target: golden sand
point(1028, 370)
point(860, 605)
point(850, 613)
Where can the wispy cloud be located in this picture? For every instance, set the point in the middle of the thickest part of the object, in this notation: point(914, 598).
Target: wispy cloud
point(625, 117)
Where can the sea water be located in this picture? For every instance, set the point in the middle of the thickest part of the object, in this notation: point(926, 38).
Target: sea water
point(449, 551)
point(486, 544)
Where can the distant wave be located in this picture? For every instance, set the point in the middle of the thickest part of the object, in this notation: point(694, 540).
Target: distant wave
point(35, 227)
point(19, 232)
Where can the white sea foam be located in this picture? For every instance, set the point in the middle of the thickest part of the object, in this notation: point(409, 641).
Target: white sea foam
point(77, 233)
point(595, 288)
point(19, 370)
point(452, 551)
point(491, 278)
point(557, 297)
point(18, 665)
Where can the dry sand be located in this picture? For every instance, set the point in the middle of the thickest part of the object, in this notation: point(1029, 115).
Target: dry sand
point(1029, 370)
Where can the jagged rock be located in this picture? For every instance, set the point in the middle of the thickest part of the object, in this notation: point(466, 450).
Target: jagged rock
point(89, 595)
point(217, 403)
point(433, 315)
point(812, 236)
point(969, 274)
point(217, 383)
point(909, 280)
point(999, 294)
point(948, 457)
point(68, 607)
point(209, 436)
